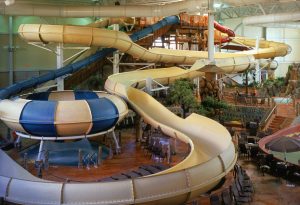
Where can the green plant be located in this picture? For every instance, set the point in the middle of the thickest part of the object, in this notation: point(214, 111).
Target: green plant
point(201, 110)
point(213, 106)
point(210, 102)
point(181, 93)
point(272, 87)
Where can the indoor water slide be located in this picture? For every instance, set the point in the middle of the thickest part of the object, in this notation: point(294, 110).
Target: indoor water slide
point(222, 34)
point(212, 154)
point(225, 62)
point(71, 68)
point(104, 22)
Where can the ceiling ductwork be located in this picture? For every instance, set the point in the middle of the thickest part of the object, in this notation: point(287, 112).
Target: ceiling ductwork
point(9, 2)
point(291, 25)
point(272, 19)
point(104, 11)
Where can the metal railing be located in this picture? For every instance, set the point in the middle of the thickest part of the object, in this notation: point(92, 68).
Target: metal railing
point(90, 159)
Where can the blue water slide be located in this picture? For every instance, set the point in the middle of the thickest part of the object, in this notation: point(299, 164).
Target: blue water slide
point(68, 69)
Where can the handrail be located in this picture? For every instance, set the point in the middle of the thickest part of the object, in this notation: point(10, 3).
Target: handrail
point(264, 122)
point(269, 115)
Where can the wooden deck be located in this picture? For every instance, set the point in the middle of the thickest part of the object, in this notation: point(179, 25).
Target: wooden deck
point(131, 158)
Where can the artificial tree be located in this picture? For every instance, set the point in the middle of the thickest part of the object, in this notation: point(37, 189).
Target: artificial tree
point(181, 93)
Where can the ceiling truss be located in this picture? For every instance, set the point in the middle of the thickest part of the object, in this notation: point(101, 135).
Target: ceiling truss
point(257, 9)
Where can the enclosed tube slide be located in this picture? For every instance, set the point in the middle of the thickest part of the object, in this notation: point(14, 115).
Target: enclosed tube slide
point(115, 39)
point(94, 37)
point(71, 68)
point(222, 30)
point(212, 153)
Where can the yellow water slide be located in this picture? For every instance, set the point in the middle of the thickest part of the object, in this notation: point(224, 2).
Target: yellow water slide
point(104, 22)
point(212, 153)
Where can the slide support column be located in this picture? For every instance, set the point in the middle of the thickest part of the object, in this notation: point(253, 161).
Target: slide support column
point(39, 158)
point(257, 69)
point(211, 20)
point(116, 55)
point(60, 64)
point(10, 51)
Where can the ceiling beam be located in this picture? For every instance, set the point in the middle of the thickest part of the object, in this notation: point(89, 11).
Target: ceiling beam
point(262, 9)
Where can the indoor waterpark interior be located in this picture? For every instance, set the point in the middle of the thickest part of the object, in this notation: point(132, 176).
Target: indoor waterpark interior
point(150, 102)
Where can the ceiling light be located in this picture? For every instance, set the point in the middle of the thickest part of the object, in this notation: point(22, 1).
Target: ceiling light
point(9, 2)
point(217, 5)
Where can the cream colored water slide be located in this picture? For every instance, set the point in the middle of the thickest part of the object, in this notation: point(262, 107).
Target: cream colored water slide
point(212, 154)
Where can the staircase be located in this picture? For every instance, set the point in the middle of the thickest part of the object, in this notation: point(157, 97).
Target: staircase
point(285, 114)
point(276, 123)
point(286, 110)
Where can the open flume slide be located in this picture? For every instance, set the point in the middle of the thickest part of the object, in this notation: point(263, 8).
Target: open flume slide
point(212, 153)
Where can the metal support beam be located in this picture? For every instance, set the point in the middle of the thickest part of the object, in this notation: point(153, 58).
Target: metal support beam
point(197, 83)
point(99, 158)
point(149, 85)
point(118, 148)
point(59, 52)
point(42, 46)
point(76, 54)
point(257, 69)
point(116, 55)
point(264, 33)
point(39, 157)
point(153, 85)
point(116, 60)
point(60, 64)
point(211, 20)
point(10, 51)
point(262, 9)
point(258, 9)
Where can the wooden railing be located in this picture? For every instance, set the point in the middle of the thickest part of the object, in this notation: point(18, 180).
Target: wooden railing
point(248, 100)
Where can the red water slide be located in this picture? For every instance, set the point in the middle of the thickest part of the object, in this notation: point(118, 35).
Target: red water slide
point(222, 29)
point(226, 30)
